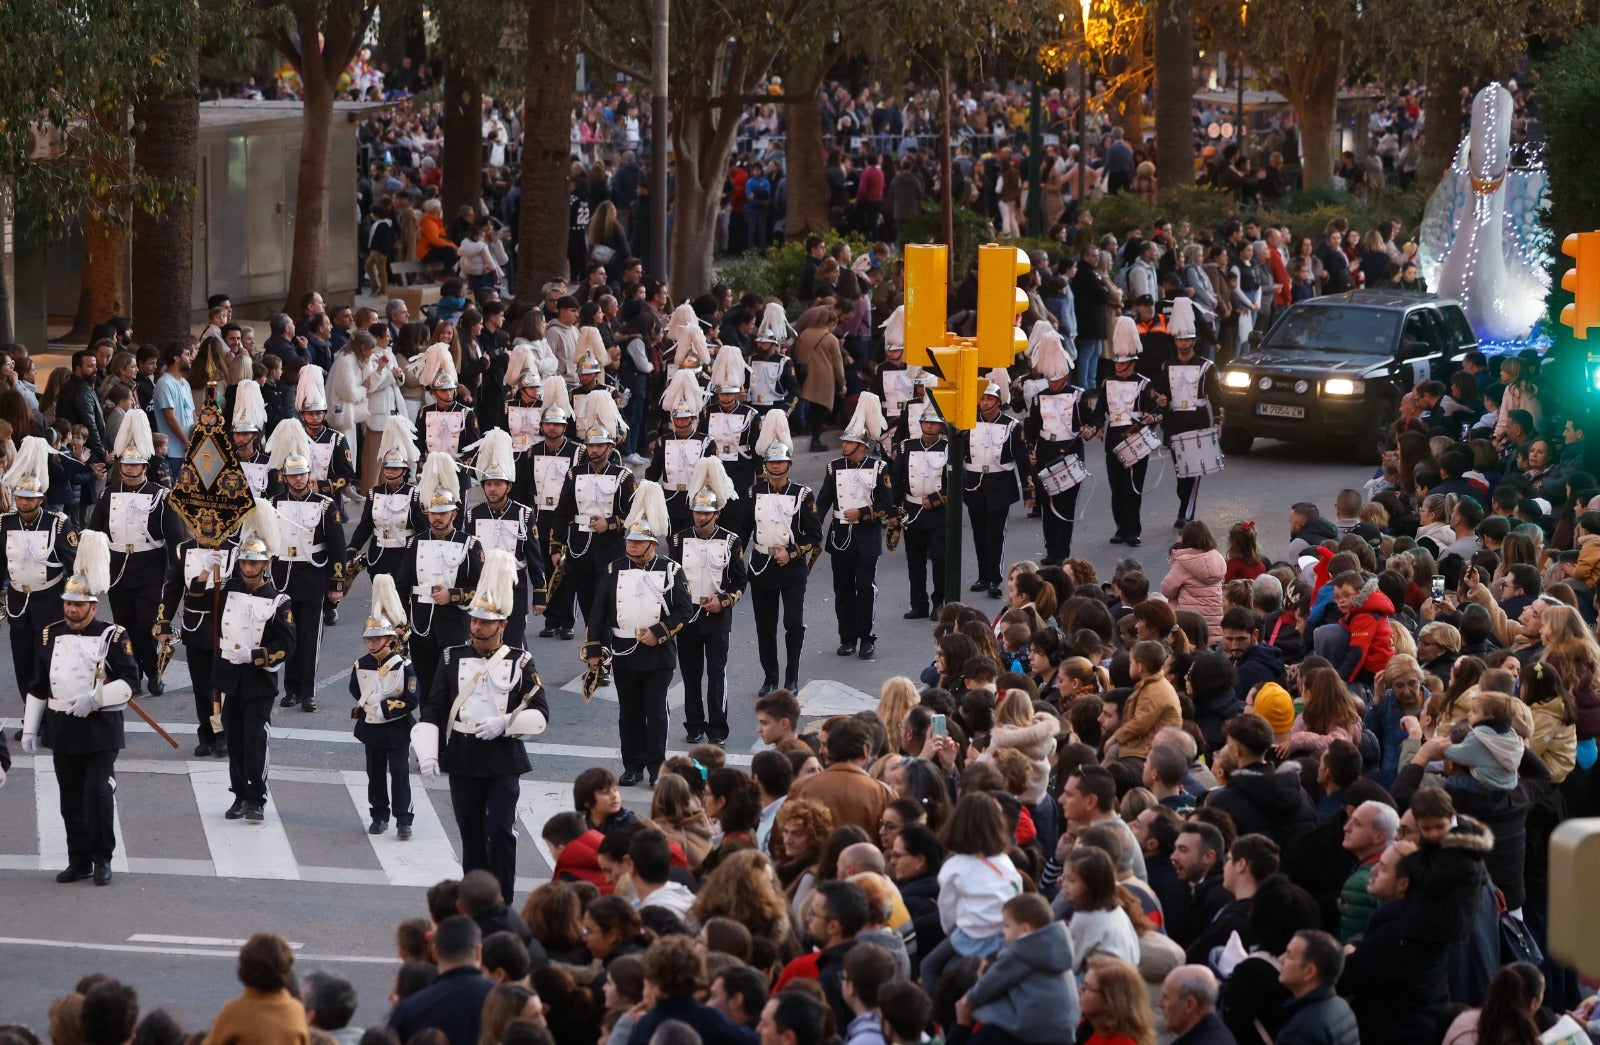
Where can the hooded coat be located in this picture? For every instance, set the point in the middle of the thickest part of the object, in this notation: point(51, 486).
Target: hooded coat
point(1266, 800)
point(1194, 582)
point(1037, 740)
point(1371, 642)
point(1028, 990)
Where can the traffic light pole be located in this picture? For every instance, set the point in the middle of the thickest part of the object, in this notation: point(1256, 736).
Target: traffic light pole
point(955, 465)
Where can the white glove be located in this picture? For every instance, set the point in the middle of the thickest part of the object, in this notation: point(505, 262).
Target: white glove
point(82, 704)
point(236, 655)
point(429, 766)
point(492, 727)
point(30, 743)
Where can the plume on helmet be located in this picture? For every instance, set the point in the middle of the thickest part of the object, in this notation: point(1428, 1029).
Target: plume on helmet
point(683, 387)
point(520, 360)
point(310, 393)
point(600, 409)
point(437, 361)
point(288, 438)
point(553, 392)
point(681, 322)
point(497, 583)
point(1048, 353)
point(728, 369)
point(386, 599)
point(710, 475)
point(94, 560)
point(650, 509)
point(400, 434)
point(774, 429)
point(135, 434)
point(262, 522)
point(774, 326)
point(867, 422)
point(32, 462)
point(496, 458)
point(249, 409)
point(438, 473)
point(894, 328)
point(691, 346)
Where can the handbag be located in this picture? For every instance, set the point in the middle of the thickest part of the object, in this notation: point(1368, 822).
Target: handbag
point(601, 253)
point(1516, 942)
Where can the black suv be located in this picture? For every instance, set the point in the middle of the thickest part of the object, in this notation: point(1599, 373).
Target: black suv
point(1333, 369)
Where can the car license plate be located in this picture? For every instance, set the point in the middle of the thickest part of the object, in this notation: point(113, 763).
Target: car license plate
point(1280, 410)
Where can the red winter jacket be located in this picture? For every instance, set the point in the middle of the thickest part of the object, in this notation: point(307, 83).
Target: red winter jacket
point(1371, 643)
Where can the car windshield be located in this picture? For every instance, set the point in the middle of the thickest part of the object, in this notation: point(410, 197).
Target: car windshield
point(1343, 328)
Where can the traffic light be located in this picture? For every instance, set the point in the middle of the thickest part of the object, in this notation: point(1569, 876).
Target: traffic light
point(927, 295)
point(1000, 302)
point(1574, 863)
point(956, 398)
point(1582, 281)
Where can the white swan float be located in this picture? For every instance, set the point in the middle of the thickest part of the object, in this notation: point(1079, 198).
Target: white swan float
point(1493, 258)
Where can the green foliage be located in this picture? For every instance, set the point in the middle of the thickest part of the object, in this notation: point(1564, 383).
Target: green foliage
point(1306, 213)
point(776, 273)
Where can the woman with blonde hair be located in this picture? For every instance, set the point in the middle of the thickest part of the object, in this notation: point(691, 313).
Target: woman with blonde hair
point(681, 818)
point(897, 696)
point(1079, 677)
point(506, 1004)
point(744, 887)
point(1116, 1004)
point(608, 244)
point(1570, 648)
point(1033, 733)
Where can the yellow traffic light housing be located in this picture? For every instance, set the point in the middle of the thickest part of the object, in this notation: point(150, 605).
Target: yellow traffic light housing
point(1582, 281)
point(956, 398)
point(1000, 302)
point(927, 296)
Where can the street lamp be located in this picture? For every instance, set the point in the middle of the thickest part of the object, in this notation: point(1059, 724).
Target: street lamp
point(1238, 75)
point(1083, 108)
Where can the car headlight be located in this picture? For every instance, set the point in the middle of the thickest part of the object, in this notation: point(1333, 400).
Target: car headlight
point(1343, 386)
point(1236, 379)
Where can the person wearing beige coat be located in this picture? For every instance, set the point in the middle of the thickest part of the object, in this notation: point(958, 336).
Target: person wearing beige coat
point(1151, 706)
point(817, 352)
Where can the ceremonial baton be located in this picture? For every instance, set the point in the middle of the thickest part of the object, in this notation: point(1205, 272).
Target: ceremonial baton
point(142, 713)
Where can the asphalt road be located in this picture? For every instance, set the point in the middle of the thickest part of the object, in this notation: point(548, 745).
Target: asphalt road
point(190, 886)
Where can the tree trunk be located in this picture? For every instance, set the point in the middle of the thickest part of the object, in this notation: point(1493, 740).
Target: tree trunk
point(546, 152)
point(104, 291)
point(309, 266)
point(697, 194)
point(1312, 86)
point(462, 155)
point(163, 281)
point(808, 182)
point(1442, 117)
point(1174, 48)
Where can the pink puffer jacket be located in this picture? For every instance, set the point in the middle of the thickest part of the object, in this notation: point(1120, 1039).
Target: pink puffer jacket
point(1194, 582)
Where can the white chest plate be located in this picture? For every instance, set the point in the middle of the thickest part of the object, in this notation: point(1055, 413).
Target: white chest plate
point(444, 430)
point(245, 617)
point(854, 488)
point(28, 557)
point(130, 522)
point(256, 475)
point(299, 520)
point(522, 422)
point(775, 514)
point(498, 534)
point(596, 495)
point(74, 660)
point(925, 473)
point(391, 519)
point(988, 447)
point(1055, 417)
point(727, 430)
point(898, 386)
point(703, 564)
point(376, 688)
point(321, 460)
point(197, 560)
point(1122, 402)
point(640, 598)
point(764, 377)
point(679, 456)
point(1188, 387)
point(486, 686)
point(437, 563)
point(549, 474)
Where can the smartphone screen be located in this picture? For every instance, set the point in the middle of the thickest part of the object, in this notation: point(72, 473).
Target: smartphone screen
point(1438, 588)
point(939, 728)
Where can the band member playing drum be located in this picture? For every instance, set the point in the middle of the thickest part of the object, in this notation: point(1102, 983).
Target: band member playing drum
point(1055, 431)
point(1128, 406)
point(1191, 385)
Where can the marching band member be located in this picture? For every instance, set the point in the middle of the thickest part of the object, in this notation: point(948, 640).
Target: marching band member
point(249, 421)
point(595, 501)
point(918, 472)
point(712, 558)
point(143, 528)
point(733, 426)
point(1127, 404)
point(689, 348)
point(1191, 386)
point(332, 466)
point(997, 473)
point(501, 524)
point(440, 570)
point(85, 676)
point(256, 635)
point(786, 537)
point(485, 698)
point(856, 496)
point(1055, 429)
point(384, 686)
point(309, 568)
point(917, 407)
point(192, 593)
point(673, 461)
point(895, 383)
point(39, 548)
point(445, 425)
point(592, 386)
point(523, 406)
point(642, 603)
point(391, 515)
point(773, 384)
point(542, 478)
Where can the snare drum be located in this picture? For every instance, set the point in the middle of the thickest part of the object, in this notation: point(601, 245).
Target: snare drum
point(1196, 453)
point(1063, 475)
point(1137, 446)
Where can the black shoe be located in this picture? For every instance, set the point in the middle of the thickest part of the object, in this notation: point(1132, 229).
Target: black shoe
point(289, 700)
point(202, 750)
point(869, 649)
point(75, 873)
point(846, 648)
point(377, 827)
point(156, 688)
point(1178, 524)
point(255, 812)
point(719, 741)
point(995, 592)
point(1117, 538)
point(632, 778)
point(17, 735)
point(236, 811)
point(818, 446)
point(977, 585)
point(308, 704)
point(793, 686)
point(330, 616)
point(102, 873)
point(767, 686)
point(566, 634)
point(652, 781)
point(219, 749)
point(548, 632)
point(403, 832)
point(915, 614)
point(1035, 512)
point(1134, 542)
point(697, 738)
